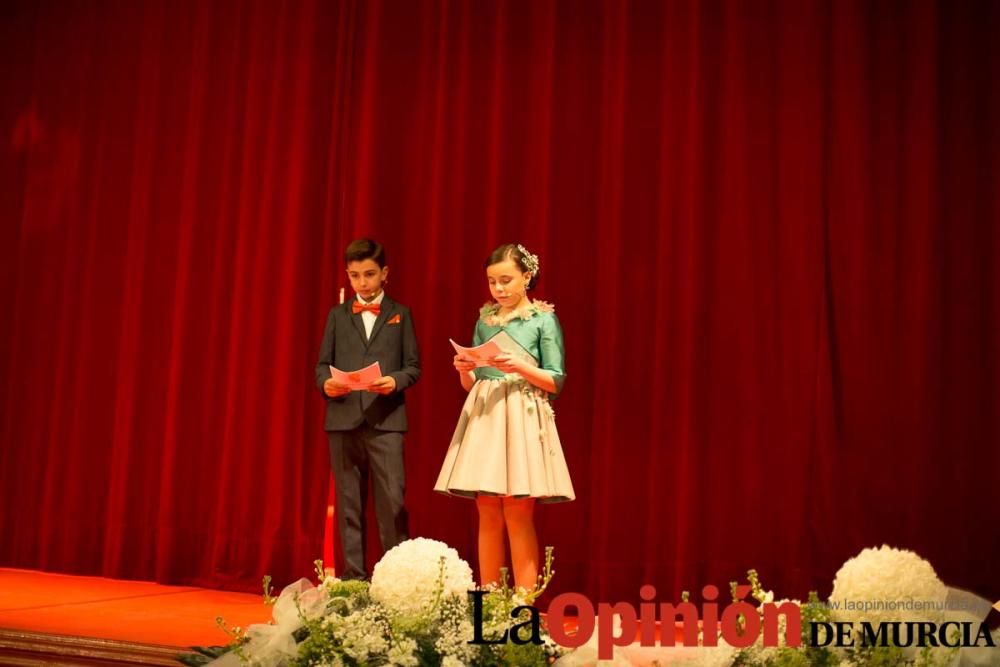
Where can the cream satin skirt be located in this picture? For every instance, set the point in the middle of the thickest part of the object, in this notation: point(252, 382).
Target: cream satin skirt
point(506, 444)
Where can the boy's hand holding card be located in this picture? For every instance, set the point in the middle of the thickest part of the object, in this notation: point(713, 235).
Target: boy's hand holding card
point(360, 380)
point(384, 385)
point(334, 390)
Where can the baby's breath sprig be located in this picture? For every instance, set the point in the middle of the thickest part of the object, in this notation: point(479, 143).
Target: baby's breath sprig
point(236, 633)
point(504, 582)
point(320, 571)
point(506, 592)
point(439, 583)
point(268, 598)
point(297, 601)
point(741, 620)
point(756, 589)
point(544, 578)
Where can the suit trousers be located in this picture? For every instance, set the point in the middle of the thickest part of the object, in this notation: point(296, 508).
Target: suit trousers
point(360, 457)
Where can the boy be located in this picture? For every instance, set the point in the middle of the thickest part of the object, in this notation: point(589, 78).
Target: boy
point(365, 428)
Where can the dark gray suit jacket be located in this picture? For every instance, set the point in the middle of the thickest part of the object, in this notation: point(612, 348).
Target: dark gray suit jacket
point(394, 346)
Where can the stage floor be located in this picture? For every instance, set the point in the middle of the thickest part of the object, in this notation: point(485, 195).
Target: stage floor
point(128, 612)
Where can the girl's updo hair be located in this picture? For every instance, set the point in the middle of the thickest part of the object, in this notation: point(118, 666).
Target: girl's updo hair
point(517, 253)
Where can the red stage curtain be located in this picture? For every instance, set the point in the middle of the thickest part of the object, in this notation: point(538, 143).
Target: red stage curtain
point(769, 229)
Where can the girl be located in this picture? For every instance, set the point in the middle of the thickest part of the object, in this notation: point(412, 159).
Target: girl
point(506, 452)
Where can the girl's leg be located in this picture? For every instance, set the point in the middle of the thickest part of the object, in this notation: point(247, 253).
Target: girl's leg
point(519, 515)
point(491, 543)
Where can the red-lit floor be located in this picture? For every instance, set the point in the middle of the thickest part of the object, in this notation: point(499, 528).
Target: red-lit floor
point(127, 622)
point(130, 611)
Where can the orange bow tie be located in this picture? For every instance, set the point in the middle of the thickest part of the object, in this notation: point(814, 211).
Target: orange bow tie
point(373, 308)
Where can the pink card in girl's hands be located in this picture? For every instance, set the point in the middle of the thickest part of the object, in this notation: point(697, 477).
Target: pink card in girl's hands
point(481, 354)
point(501, 343)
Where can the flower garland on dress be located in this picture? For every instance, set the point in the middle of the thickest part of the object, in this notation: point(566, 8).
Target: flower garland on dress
point(490, 312)
point(537, 398)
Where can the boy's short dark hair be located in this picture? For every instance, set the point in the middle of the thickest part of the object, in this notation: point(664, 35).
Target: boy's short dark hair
point(362, 249)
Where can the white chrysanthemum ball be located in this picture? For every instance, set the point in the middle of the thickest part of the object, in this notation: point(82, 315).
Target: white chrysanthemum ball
point(406, 577)
point(887, 584)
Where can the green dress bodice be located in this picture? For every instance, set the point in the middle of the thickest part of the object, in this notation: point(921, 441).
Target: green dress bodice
point(537, 331)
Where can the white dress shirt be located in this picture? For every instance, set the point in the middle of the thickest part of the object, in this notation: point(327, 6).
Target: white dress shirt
point(367, 316)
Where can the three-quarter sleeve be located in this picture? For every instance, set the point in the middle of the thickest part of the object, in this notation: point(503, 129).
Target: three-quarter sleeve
point(550, 344)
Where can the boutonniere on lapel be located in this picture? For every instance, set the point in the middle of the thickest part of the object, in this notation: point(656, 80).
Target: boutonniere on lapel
point(395, 319)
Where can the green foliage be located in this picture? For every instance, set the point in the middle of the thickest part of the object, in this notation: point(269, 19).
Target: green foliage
point(788, 656)
point(792, 657)
point(354, 629)
point(202, 655)
point(350, 588)
point(877, 656)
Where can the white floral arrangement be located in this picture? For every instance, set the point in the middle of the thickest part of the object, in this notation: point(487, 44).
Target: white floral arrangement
point(887, 574)
point(400, 580)
point(416, 611)
point(769, 654)
point(883, 574)
point(783, 655)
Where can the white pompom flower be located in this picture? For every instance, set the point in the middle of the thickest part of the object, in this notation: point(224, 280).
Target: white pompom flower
point(887, 584)
point(405, 581)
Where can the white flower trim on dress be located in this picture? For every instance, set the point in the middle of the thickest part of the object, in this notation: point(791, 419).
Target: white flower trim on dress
point(490, 312)
point(536, 397)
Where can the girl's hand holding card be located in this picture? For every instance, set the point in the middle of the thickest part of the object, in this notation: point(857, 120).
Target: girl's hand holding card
point(463, 365)
point(506, 363)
